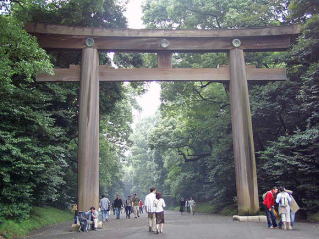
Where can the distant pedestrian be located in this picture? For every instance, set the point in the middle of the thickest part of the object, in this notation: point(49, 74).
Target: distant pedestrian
point(269, 204)
point(105, 207)
point(187, 206)
point(140, 205)
point(159, 204)
point(150, 209)
point(135, 202)
point(128, 207)
point(284, 201)
point(191, 204)
point(117, 206)
point(182, 205)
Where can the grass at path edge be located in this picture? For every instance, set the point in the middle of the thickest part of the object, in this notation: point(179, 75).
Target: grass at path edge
point(40, 217)
point(207, 207)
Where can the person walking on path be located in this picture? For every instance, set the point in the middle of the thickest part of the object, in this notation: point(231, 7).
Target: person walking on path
point(187, 205)
point(191, 204)
point(128, 207)
point(159, 203)
point(269, 203)
point(140, 205)
point(150, 209)
point(117, 206)
point(182, 205)
point(284, 201)
point(135, 201)
point(105, 207)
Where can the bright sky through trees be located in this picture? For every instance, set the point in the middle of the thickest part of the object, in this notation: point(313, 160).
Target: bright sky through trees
point(150, 101)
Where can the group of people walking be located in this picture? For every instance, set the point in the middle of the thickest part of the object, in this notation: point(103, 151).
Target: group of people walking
point(131, 205)
point(187, 205)
point(287, 208)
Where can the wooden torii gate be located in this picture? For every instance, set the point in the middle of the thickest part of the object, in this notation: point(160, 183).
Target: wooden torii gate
point(164, 42)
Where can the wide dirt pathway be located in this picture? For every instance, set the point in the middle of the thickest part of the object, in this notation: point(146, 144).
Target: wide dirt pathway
point(182, 227)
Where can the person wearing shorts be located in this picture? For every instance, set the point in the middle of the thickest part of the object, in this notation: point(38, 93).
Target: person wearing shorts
point(159, 204)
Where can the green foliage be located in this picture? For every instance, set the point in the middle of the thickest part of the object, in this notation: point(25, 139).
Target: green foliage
point(38, 131)
point(291, 159)
point(91, 13)
point(40, 217)
point(205, 207)
point(203, 14)
point(301, 10)
point(314, 217)
point(144, 166)
point(285, 114)
point(114, 141)
point(28, 159)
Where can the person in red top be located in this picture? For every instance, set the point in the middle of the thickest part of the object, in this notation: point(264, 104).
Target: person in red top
point(140, 204)
point(269, 203)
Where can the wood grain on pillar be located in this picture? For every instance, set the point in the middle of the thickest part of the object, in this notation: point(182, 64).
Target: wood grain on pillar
point(243, 143)
point(88, 152)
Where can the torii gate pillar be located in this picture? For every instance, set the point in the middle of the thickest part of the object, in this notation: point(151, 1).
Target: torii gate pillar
point(88, 151)
point(243, 143)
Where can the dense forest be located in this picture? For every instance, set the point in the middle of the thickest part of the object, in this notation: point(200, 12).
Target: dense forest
point(38, 130)
point(186, 148)
point(187, 151)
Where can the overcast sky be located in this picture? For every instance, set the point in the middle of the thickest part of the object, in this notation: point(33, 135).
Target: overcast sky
point(134, 14)
point(150, 101)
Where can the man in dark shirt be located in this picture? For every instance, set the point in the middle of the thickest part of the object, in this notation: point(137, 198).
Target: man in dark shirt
point(182, 205)
point(117, 206)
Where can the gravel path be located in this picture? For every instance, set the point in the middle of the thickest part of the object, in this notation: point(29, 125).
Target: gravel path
point(181, 227)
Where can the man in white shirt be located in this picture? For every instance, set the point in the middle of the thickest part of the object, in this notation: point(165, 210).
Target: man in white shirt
point(150, 209)
point(104, 206)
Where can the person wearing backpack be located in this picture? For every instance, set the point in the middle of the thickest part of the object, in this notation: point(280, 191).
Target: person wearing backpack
point(269, 203)
point(284, 201)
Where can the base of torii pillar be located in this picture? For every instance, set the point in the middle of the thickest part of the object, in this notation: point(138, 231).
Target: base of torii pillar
point(88, 151)
point(243, 143)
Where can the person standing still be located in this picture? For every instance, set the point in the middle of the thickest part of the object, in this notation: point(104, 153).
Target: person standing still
point(159, 212)
point(117, 206)
point(105, 207)
point(284, 201)
point(150, 209)
point(269, 203)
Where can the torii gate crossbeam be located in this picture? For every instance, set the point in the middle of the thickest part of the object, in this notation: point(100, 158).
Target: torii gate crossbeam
point(164, 42)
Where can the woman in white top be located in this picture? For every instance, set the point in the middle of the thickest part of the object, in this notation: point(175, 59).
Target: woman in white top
point(284, 201)
point(159, 204)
